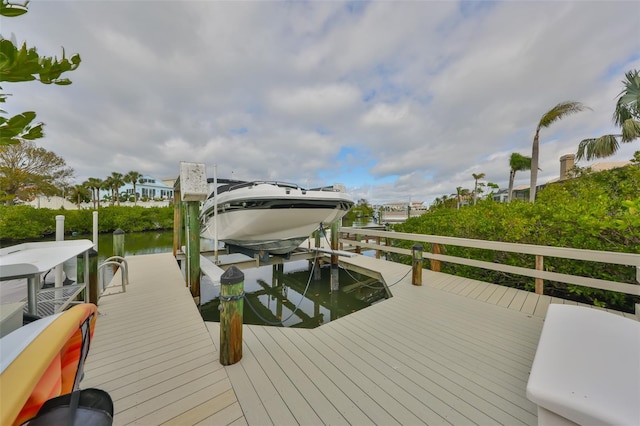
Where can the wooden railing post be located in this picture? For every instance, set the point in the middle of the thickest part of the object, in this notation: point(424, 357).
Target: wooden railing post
point(435, 264)
point(539, 267)
point(416, 274)
point(231, 315)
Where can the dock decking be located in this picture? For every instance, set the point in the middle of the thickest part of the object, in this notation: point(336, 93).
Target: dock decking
point(452, 351)
point(152, 352)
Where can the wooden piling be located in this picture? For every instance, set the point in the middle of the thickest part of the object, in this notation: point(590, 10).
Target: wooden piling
point(231, 315)
point(317, 270)
point(416, 272)
point(193, 189)
point(118, 242)
point(335, 230)
point(193, 252)
point(118, 245)
point(92, 283)
point(177, 221)
point(89, 274)
point(539, 267)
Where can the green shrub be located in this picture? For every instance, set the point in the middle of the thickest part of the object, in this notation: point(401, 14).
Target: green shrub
point(27, 223)
point(599, 211)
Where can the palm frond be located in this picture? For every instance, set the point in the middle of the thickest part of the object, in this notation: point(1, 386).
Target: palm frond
point(519, 162)
point(628, 104)
point(559, 111)
point(601, 147)
point(630, 130)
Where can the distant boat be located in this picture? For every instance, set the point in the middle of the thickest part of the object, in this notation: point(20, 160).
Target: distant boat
point(273, 217)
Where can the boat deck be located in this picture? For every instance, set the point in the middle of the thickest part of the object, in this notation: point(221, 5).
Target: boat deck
point(452, 351)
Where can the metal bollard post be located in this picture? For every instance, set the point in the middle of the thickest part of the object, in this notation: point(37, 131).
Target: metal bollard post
point(416, 275)
point(231, 315)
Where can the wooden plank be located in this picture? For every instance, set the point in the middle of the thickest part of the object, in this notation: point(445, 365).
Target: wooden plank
point(152, 352)
point(323, 410)
point(446, 350)
point(276, 408)
point(247, 395)
point(298, 406)
point(497, 295)
point(207, 410)
point(177, 401)
point(518, 300)
point(478, 289)
point(486, 294)
point(506, 299)
point(542, 306)
point(154, 386)
point(529, 305)
point(414, 371)
point(231, 415)
point(355, 391)
point(473, 284)
point(341, 402)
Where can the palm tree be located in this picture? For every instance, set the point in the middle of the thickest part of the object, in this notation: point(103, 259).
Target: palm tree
point(475, 188)
point(549, 117)
point(80, 193)
point(132, 177)
point(460, 194)
point(107, 184)
point(94, 184)
point(626, 115)
point(517, 163)
point(117, 182)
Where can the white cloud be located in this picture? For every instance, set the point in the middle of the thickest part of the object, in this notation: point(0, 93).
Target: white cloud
point(317, 101)
point(398, 98)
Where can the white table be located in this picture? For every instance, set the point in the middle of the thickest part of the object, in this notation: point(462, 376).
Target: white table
point(29, 260)
point(587, 368)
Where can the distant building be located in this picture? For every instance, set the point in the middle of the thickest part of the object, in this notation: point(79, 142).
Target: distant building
point(402, 206)
point(147, 187)
point(51, 202)
point(502, 196)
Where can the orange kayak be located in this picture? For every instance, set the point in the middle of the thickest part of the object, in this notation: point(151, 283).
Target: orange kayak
point(42, 360)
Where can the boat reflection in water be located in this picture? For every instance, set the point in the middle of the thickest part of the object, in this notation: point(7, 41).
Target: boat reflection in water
point(274, 292)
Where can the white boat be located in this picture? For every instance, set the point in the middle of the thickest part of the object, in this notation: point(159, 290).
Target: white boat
point(271, 217)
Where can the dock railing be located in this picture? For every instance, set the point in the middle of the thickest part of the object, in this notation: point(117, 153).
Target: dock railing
point(360, 238)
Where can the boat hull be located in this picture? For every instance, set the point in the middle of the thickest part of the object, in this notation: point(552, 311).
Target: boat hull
point(272, 218)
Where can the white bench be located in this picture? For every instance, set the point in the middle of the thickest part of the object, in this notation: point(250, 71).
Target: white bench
point(586, 368)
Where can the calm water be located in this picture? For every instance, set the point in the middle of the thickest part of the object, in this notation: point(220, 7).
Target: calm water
point(277, 296)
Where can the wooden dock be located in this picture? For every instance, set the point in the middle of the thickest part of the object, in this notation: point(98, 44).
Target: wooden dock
point(452, 351)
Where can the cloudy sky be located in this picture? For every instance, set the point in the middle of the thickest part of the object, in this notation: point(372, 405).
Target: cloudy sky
point(397, 100)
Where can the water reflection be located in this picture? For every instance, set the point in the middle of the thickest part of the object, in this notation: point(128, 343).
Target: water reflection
point(287, 295)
